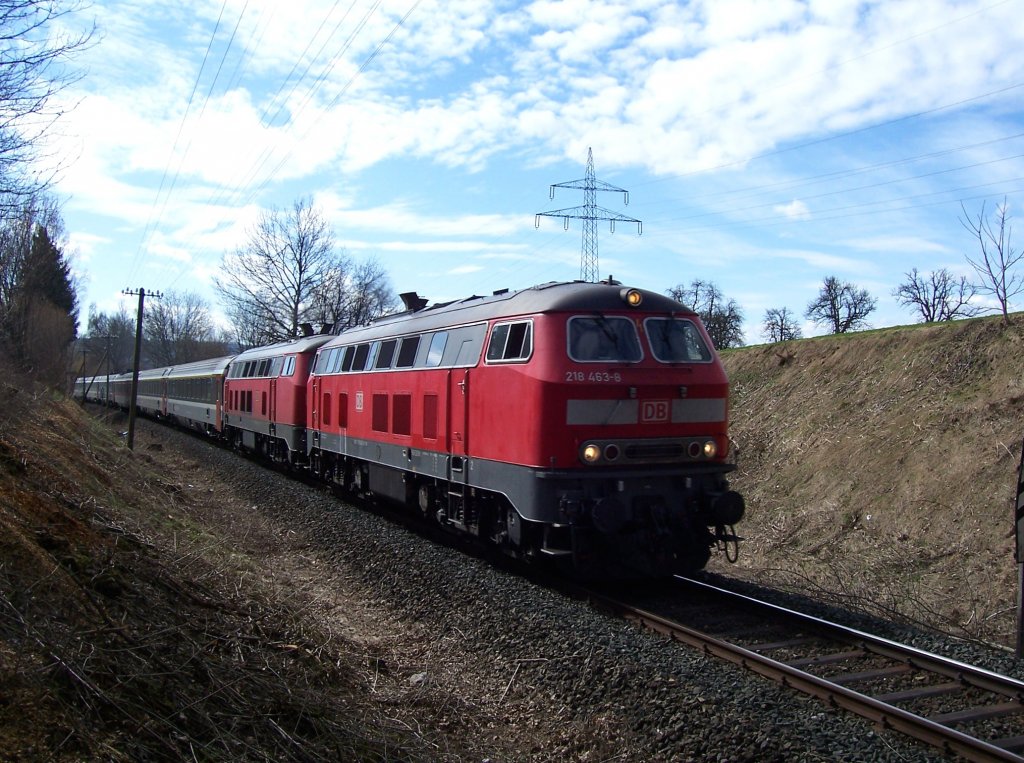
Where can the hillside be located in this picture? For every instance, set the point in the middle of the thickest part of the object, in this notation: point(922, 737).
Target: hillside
point(881, 467)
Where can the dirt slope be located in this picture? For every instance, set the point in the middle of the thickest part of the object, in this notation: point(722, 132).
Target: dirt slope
point(130, 631)
point(882, 466)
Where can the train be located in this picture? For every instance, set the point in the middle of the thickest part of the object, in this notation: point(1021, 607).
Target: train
point(584, 424)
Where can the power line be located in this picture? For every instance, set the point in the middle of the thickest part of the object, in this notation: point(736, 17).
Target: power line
point(170, 158)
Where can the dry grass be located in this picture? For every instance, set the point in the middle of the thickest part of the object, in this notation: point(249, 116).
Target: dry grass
point(881, 467)
point(130, 631)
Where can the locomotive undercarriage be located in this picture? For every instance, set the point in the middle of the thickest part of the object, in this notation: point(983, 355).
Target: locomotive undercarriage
point(618, 526)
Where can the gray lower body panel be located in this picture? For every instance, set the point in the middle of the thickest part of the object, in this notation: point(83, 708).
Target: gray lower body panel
point(250, 426)
point(193, 412)
point(540, 495)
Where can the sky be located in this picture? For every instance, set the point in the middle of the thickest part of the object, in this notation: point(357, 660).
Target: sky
point(765, 144)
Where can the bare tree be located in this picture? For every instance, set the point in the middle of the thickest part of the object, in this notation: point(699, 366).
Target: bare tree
point(109, 342)
point(780, 325)
point(722, 318)
point(938, 296)
point(841, 306)
point(178, 329)
point(274, 283)
point(363, 295)
point(36, 49)
point(998, 258)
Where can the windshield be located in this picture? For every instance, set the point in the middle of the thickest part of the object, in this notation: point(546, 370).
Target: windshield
point(598, 338)
point(676, 340)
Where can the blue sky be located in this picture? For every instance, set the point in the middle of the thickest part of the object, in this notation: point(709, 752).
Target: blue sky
point(765, 144)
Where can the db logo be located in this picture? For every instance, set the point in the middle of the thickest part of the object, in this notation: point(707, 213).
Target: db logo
point(655, 410)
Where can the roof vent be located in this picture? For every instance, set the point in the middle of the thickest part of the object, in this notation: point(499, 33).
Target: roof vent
point(413, 301)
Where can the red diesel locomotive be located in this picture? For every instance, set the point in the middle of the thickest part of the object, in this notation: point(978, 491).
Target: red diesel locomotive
point(581, 421)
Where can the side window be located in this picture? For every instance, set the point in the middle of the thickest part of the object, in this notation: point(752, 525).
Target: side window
point(320, 364)
point(386, 353)
point(407, 352)
point(337, 356)
point(436, 351)
point(496, 348)
point(289, 366)
point(511, 341)
point(371, 358)
point(346, 363)
point(362, 352)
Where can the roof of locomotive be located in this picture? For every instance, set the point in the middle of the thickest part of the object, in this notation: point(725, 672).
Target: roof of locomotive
point(574, 296)
point(289, 347)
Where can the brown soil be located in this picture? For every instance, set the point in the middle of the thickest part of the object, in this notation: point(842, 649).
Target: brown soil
point(881, 468)
point(150, 611)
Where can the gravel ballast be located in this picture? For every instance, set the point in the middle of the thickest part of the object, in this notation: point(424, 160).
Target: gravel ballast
point(521, 672)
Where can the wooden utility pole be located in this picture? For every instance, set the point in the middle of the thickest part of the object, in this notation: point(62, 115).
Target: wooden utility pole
point(135, 365)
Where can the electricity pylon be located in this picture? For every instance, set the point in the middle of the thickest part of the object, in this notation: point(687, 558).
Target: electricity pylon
point(590, 213)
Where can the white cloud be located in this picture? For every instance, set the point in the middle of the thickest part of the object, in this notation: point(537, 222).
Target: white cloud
point(794, 210)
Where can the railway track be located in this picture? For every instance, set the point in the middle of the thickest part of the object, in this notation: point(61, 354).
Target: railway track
point(957, 708)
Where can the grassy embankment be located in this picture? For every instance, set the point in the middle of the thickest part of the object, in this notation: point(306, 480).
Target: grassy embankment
point(881, 466)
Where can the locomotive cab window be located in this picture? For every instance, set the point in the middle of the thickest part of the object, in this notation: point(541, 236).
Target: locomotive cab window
point(511, 341)
point(289, 366)
point(603, 339)
point(676, 340)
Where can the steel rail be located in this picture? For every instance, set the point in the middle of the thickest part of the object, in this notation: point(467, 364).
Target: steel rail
point(945, 738)
point(918, 658)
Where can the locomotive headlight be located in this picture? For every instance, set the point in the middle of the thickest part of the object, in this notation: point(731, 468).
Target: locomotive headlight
point(710, 449)
point(592, 453)
point(631, 297)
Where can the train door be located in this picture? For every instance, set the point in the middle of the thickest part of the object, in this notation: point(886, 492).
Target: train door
point(458, 510)
point(272, 405)
point(314, 419)
point(458, 412)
